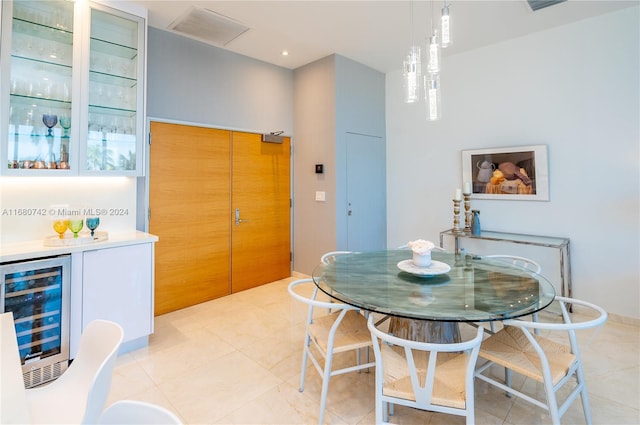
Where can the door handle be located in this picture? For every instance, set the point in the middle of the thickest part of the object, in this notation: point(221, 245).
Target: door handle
point(238, 220)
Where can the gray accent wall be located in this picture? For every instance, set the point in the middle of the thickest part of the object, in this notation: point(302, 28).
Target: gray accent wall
point(197, 84)
point(334, 96)
point(360, 109)
point(193, 82)
point(314, 229)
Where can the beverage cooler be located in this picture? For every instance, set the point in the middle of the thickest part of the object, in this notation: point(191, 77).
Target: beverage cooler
point(38, 292)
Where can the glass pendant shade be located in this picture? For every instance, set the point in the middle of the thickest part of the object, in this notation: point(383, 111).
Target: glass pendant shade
point(446, 27)
point(434, 54)
point(432, 96)
point(412, 75)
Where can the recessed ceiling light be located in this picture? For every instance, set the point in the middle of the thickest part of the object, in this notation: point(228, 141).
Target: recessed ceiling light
point(285, 53)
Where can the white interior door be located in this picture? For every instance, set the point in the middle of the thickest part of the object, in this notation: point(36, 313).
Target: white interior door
point(366, 193)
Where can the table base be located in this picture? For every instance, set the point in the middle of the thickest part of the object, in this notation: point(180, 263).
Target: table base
point(425, 330)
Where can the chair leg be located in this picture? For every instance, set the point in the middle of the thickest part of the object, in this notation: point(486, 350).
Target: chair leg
point(471, 416)
point(583, 395)
point(552, 403)
point(303, 370)
point(382, 412)
point(508, 378)
point(367, 357)
point(325, 385)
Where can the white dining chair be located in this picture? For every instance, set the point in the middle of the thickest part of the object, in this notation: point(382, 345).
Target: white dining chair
point(543, 359)
point(331, 255)
point(523, 262)
point(343, 329)
point(429, 376)
point(138, 413)
point(79, 395)
point(527, 263)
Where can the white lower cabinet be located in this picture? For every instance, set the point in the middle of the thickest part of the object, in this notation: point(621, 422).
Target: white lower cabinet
point(117, 285)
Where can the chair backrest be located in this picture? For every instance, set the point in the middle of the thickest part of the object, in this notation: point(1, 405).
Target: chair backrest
point(568, 324)
point(327, 257)
point(92, 368)
point(137, 412)
point(313, 303)
point(388, 361)
point(311, 300)
point(527, 263)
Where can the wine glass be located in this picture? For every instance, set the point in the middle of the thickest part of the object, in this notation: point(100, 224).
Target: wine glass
point(93, 223)
point(50, 120)
point(65, 123)
point(75, 225)
point(60, 226)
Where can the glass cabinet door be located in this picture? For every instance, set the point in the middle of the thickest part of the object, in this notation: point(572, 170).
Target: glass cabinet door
point(115, 117)
point(40, 85)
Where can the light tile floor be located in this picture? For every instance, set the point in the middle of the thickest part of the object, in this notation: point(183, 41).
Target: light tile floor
point(236, 360)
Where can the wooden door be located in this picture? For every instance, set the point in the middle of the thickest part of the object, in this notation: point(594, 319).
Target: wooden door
point(261, 195)
point(189, 188)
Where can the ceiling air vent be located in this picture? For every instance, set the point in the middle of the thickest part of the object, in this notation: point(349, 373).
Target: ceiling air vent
point(208, 26)
point(541, 4)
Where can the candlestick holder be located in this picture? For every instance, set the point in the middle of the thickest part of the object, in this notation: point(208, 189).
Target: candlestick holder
point(467, 213)
point(456, 215)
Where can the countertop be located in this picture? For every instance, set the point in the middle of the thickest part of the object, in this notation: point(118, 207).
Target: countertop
point(16, 251)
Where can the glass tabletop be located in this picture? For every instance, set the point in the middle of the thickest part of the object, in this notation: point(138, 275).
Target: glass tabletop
point(455, 288)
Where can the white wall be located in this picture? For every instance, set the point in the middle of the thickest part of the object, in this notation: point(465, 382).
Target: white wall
point(25, 204)
point(193, 82)
point(574, 89)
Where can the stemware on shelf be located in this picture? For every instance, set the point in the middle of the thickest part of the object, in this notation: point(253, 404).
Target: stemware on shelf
point(75, 225)
point(92, 224)
point(42, 72)
point(50, 120)
point(61, 225)
point(65, 123)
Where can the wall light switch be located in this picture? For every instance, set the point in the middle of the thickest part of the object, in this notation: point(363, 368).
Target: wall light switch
point(320, 196)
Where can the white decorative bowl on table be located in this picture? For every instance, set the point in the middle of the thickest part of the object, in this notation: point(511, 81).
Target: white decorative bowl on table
point(422, 260)
point(434, 269)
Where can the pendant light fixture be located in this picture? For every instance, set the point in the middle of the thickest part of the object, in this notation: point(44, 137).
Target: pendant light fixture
point(445, 25)
point(432, 78)
point(432, 96)
point(433, 48)
point(433, 66)
point(412, 69)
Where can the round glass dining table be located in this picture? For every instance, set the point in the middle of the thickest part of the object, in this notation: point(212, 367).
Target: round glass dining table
point(455, 288)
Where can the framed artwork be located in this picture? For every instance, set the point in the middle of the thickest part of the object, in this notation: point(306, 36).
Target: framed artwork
point(512, 173)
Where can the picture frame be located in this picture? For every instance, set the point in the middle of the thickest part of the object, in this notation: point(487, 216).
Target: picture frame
point(523, 173)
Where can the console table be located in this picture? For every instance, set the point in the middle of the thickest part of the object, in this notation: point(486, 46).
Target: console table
point(558, 243)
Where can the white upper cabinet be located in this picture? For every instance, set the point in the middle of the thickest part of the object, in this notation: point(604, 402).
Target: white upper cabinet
point(72, 94)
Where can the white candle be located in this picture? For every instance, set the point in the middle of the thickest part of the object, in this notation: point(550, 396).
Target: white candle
point(467, 187)
point(458, 195)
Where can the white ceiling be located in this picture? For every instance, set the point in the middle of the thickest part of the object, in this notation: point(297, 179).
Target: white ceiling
point(374, 33)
